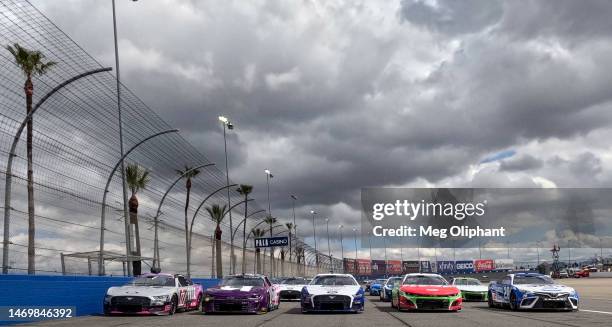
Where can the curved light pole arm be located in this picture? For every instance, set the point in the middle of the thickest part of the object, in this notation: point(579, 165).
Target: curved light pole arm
point(103, 215)
point(226, 212)
point(204, 201)
point(243, 220)
point(161, 202)
point(9, 165)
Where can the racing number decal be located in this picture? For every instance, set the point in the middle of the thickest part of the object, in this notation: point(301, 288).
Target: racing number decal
point(182, 296)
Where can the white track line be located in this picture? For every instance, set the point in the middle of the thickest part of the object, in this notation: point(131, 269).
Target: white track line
point(595, 311)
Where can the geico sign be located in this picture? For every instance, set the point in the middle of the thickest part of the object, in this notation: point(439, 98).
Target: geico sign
point(465, 266)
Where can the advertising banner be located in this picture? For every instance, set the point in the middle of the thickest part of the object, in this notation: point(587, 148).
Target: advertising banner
point(464, 267)
point(378, 267)
point(504, 264)
point(409, 267)
point(394, 267)
point(484, 265)
point(425, 266)
point(349, 266)
point(364, 267)
point(446, 267)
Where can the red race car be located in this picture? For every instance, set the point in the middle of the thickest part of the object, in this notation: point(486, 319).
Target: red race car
point(425, 292)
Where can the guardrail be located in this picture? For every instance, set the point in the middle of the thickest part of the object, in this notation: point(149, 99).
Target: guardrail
point(86, 293)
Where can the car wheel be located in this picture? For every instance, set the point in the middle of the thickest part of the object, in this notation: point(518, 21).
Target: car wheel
point(513, 305)
point(174, 305)
point(490, 301)
point(392, 303)
point(200, 303)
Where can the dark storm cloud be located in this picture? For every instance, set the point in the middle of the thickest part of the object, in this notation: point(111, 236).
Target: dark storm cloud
point(334, 97)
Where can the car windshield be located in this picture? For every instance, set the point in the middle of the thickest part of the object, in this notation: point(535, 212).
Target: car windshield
point(240, 281)
point(380, 281)
point(393, 280)
point(424, 280)
point(467, 281)
point(333, 281)
point(533, 280)
point(153, 281)
point(294, 281)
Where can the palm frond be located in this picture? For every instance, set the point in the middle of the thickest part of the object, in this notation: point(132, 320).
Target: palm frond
point(30, 62)
point(217, 213)
point(245, 189)
point(136, 177)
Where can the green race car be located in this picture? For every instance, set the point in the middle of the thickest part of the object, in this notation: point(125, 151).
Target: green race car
point(471, 289)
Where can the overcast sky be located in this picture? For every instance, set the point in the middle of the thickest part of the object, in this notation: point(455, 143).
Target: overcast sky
point(333, 96)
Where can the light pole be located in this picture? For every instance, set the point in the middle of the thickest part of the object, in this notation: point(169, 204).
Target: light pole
point(355, 238)
point(314, 233)
point(341, 248)
point(268, 176)
point(9, 170)
point(538, 249)
point(121, 153)
point(328, 246)
point(226, 123)
point(128, 247)
point(293, 199)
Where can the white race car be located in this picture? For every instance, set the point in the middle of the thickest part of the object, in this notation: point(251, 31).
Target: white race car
point(291, 288)
point(332, 292)
point(153, 294)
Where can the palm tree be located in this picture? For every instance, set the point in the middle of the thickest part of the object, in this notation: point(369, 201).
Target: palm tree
point(257, 232)
point(217, 213)
point(137, 179)
point(271, 221)
point(299, 255)
point(31, 63)
point(289, 228)
point(188, 174)
point(244, 190)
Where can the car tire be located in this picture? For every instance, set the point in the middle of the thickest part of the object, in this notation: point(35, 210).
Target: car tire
point(512, 303)
point(490, 301)
point(200, 303)
point(173, 305)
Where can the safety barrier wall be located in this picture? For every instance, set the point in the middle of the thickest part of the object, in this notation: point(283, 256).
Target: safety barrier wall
point(86, 293)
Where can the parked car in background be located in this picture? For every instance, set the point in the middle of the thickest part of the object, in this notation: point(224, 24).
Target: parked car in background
point(153, 294)
point(241, 293)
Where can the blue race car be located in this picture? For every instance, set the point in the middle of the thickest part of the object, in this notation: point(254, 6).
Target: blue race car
point(531, 291)
point(376, 286)
point(385, 294)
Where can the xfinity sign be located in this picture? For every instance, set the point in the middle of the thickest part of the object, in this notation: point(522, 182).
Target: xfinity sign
point(265, 242)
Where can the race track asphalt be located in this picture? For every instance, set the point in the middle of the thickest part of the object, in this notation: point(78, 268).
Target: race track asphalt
point(594, 312)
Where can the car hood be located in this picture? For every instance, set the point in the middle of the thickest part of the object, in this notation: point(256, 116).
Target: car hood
point(555, 288)
point(140, 290)
point(231, 290)
point(472, 288)
point(342, 290)
point(437, 290)
point(287, 287)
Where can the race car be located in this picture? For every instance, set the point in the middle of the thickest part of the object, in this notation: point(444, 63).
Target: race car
point(471, 288)
point(241, 293)
point(426, 292)
point(291, 288)
point(376, 286)
point(153, 294)
point(332, 292)
point(531, 291)
point(387, 289)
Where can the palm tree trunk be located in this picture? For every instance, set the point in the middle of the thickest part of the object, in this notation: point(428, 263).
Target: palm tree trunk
point(282, 263)
point(218, 252)
point(244, 234)
point(29, 91)
point(133, 205)
point(187, 240)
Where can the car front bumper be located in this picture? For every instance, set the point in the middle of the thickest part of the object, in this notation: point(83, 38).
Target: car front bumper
point(547, 302)
point(339, 303)
point(419, 302)
point(474, 296)
point(234, 306)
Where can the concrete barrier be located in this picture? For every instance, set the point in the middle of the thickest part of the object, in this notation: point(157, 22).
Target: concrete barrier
point(86, 293)
point(601, 274)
